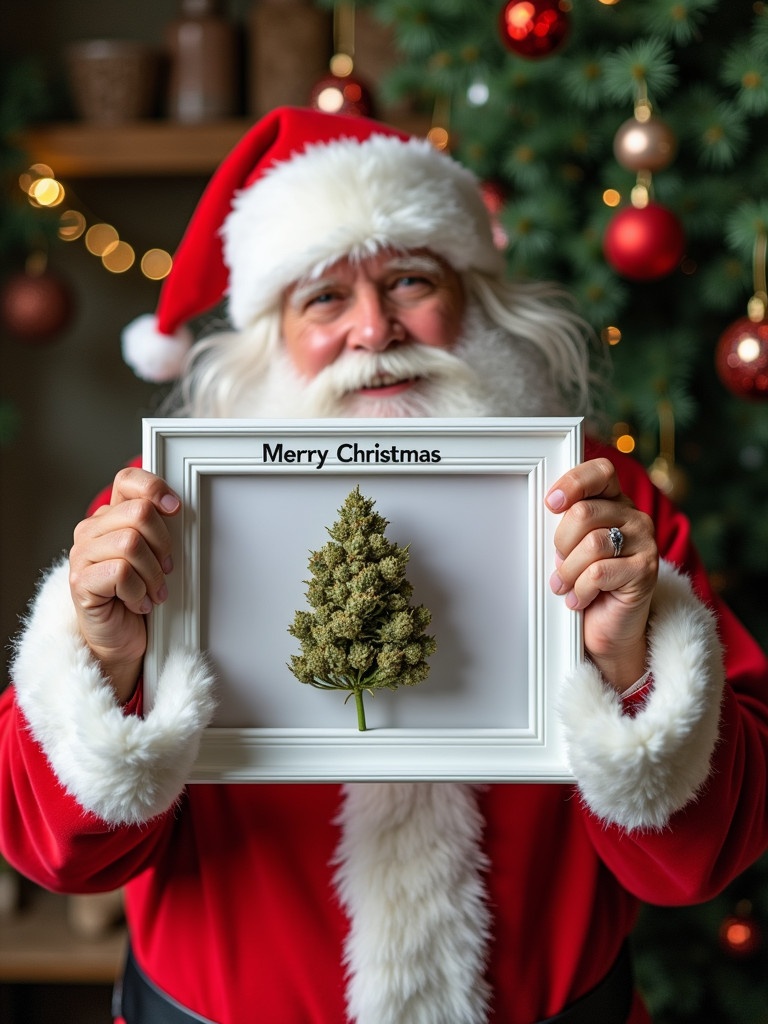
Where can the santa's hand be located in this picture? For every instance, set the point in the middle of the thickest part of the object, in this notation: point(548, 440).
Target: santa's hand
point(118, 567)
point(610, 577)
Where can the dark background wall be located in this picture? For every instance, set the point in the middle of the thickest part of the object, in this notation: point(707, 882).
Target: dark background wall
point(79, 407)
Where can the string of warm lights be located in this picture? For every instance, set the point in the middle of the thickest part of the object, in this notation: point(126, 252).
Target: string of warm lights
point(44, 191)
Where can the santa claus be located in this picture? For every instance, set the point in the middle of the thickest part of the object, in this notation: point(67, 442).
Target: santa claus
point(361, 279)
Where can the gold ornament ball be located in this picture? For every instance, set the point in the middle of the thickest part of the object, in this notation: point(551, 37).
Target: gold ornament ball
point(645, 145)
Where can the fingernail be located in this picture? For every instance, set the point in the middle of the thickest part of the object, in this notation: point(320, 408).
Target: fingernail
point(162, 593)
point(556, 583)
point(556, 500)
point(168, 565)
point(146, 606)
point(571, 600)
point(169, 503)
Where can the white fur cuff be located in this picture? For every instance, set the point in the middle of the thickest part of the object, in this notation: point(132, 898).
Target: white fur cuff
point(123, 768)
point(637, 771)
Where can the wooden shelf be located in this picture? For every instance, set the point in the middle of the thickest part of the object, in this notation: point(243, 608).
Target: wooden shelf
point(148, 148)
point(151, 148)
point(38, 945)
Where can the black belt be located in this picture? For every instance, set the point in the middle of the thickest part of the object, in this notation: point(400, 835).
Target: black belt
point(139, 1001)
point(609, 1002)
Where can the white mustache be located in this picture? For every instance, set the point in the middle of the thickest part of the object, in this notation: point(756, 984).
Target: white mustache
point(356, 370)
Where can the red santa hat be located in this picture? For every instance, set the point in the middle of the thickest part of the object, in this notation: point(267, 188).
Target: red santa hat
point(301, 190)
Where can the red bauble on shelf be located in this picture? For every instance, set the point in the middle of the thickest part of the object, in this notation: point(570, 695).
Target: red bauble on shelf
point(644, 243)
point(741, 358)
point(336, 94)
point(35, 307)
point(534, 28)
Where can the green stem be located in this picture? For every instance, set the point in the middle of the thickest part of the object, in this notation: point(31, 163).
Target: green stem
point(360, 710)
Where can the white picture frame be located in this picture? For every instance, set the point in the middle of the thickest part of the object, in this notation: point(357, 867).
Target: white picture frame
point(467, 496)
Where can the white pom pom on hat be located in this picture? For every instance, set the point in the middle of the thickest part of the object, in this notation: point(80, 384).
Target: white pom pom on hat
point(151, 355)
point(301, 190)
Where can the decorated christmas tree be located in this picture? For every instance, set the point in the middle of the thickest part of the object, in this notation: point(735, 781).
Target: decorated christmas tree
point(621, 147)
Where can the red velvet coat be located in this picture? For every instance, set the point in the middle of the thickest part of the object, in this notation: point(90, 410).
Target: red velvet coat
point(235, 897)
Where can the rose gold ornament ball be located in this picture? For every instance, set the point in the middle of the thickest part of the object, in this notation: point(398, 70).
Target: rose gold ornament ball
point(645, 145)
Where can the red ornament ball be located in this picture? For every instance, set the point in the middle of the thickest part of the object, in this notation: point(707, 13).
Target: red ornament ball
point(335, 94)
point(534, 28)
point(36, 307)
point(741, 358)
point(644, 243)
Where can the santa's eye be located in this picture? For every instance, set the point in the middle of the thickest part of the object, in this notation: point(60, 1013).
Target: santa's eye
point(322, 298)
point(411, 286)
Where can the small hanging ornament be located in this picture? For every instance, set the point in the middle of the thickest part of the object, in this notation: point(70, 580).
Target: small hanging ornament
point(739, 932)
point(534, 28)
point(36, 304)
point(644, 243)
point(645, 142)
point(341, 91)
point(741, 356)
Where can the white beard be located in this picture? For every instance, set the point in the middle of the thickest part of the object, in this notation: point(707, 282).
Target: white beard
point(488, 373)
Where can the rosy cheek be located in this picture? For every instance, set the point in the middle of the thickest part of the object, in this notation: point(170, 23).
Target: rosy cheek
point(312, 351)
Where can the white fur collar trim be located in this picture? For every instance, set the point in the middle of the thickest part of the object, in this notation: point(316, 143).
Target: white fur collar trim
point(410, 877)
point(637, 771)
point(123, 768)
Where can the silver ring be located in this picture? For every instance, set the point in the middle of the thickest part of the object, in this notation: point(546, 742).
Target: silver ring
point(617, 539)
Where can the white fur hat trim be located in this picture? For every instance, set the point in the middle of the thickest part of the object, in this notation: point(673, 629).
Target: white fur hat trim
point(123, 768)
point(637, 771)
point(351, 198)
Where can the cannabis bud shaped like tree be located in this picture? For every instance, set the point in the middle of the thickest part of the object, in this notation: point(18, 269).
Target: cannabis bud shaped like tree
point(363, 634)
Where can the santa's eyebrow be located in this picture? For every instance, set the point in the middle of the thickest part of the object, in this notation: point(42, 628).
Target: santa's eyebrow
point(307, 289)
point(415, 263)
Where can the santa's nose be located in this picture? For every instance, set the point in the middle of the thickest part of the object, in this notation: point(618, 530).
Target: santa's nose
point(373, 325)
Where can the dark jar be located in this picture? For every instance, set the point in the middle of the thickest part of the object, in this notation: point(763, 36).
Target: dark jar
point(202, 52)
